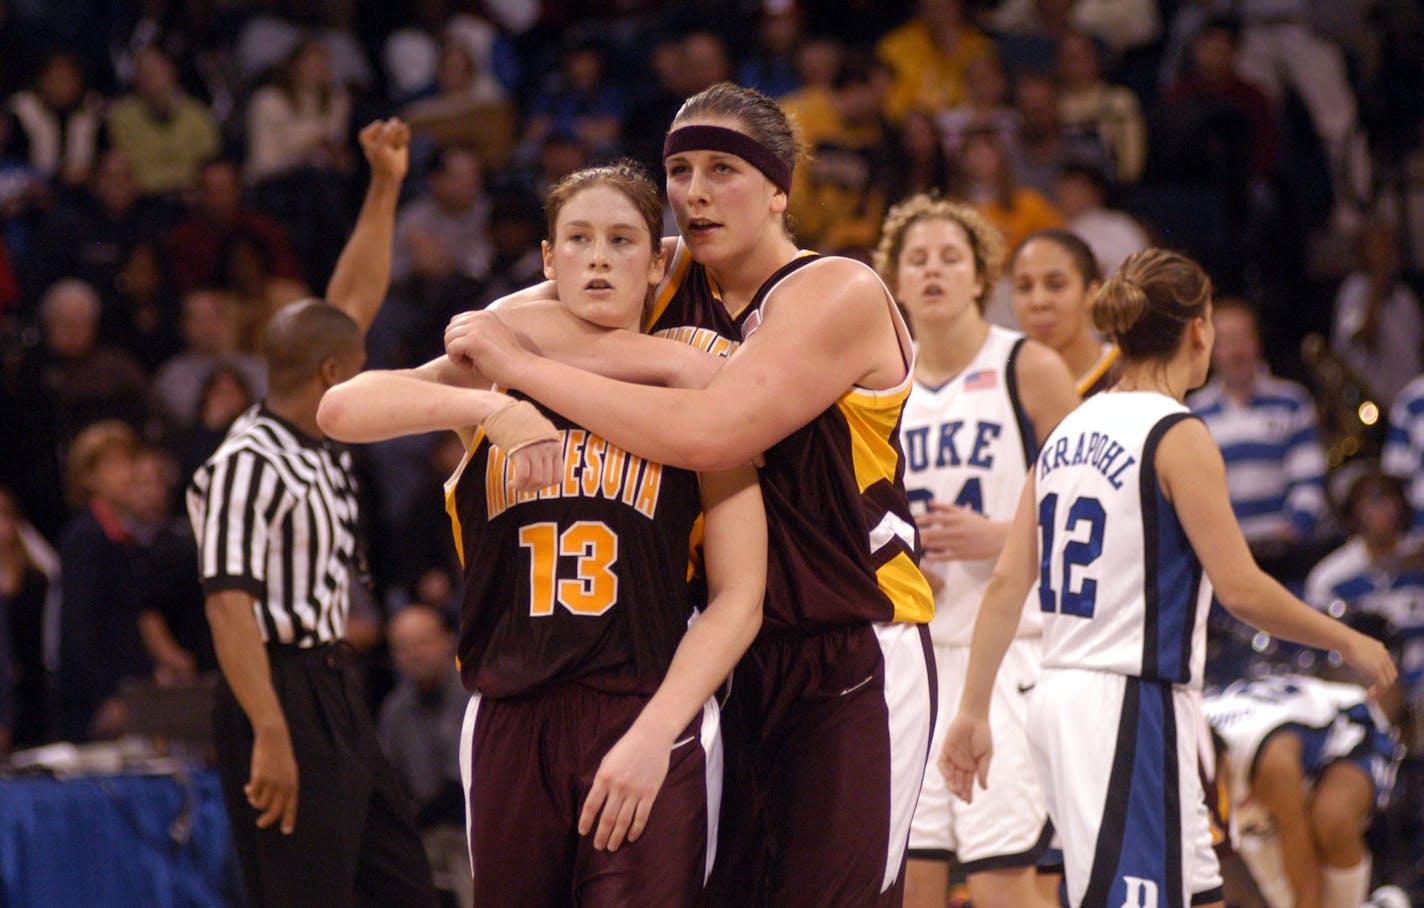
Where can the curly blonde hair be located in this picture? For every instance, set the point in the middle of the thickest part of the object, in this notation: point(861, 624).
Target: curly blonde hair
point(985, 240)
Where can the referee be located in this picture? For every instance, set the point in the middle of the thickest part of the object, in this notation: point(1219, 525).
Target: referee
point(317, 814)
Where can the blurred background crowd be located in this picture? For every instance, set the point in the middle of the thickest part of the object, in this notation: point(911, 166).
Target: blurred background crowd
point(173, 171)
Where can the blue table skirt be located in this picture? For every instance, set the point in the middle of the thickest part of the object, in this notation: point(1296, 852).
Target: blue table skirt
point(121, 841)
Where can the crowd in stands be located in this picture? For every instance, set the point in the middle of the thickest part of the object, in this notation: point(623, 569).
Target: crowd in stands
point(174, 171)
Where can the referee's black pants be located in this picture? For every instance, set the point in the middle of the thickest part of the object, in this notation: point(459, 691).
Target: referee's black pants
point(355, 843)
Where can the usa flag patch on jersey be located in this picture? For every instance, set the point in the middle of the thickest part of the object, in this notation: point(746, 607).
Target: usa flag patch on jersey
point(982, 380)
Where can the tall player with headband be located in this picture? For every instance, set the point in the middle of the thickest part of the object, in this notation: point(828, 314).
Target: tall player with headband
point(1128, 497)
point(828, 719)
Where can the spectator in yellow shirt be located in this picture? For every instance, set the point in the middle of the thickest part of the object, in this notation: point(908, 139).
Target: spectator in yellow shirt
point(981, 175)
point(838, 197)
point(930, 55)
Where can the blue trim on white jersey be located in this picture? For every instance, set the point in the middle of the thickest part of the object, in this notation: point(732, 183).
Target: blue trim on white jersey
point(1027, 435)
point(1172, 574)
point(1140, 835)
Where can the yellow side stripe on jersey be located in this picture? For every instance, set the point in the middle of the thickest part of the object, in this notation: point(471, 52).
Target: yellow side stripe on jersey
point(451, 508)
point(1099, 369)
point(907, 588)
point(455, 530)
point(694, 548)
point(870, 429)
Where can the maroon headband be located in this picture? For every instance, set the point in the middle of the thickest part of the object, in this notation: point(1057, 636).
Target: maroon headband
point(719, 138)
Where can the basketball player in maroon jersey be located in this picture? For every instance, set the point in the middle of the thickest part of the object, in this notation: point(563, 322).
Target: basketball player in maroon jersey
point(829, 715)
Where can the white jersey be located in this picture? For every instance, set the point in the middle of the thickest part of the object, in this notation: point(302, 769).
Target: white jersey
point(1120, 586)
point(969, 442)
point(1334, 722)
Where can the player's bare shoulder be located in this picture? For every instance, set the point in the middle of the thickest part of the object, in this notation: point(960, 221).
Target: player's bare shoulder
point(834, 285)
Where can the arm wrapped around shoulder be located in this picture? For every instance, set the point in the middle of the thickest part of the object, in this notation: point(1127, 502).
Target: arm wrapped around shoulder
point(518, 424)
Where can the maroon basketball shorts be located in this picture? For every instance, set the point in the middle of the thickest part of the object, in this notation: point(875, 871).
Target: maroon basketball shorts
point(827, 738)
point(528, 763)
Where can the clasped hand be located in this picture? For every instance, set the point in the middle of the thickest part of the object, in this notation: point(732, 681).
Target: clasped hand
point(479, 340)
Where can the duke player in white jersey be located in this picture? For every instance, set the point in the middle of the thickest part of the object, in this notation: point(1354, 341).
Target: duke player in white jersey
point(1123, 518)
point(982, 398)
point(1307, 762)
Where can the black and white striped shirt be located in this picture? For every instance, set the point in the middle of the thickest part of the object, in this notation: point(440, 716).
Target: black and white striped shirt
point(275, 513)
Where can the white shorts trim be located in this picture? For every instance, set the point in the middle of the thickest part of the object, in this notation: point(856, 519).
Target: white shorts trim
point(711, 735)
point(467, 767)
point(1005, 824)
point(909, 704)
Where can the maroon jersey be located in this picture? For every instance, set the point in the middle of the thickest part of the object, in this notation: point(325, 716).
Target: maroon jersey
point(843, 548)
point(584, 580)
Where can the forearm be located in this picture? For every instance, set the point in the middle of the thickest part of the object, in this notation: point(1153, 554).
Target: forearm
point(162, 647)
point(994, 630)
point(735, 546)
point(995, 535)
point(1260, 601)
point(706, 656)
point(674, 426)
point(544, 290)
point(644, 359)
point(374, 406)
point(363, 271)
point(242, 657)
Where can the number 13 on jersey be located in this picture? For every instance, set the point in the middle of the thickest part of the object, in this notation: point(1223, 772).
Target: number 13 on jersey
point(1077, 591)
point(594, 547)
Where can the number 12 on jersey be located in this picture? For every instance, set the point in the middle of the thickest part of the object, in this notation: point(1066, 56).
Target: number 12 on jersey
point(1076, 553)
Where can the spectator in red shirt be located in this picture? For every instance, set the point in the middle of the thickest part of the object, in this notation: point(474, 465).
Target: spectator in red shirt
point(198, 240)
point(1212, 94)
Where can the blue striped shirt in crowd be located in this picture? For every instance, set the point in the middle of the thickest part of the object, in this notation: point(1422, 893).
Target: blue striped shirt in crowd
point(1404, 449)
point(1275, 464)
point(1349, 576)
